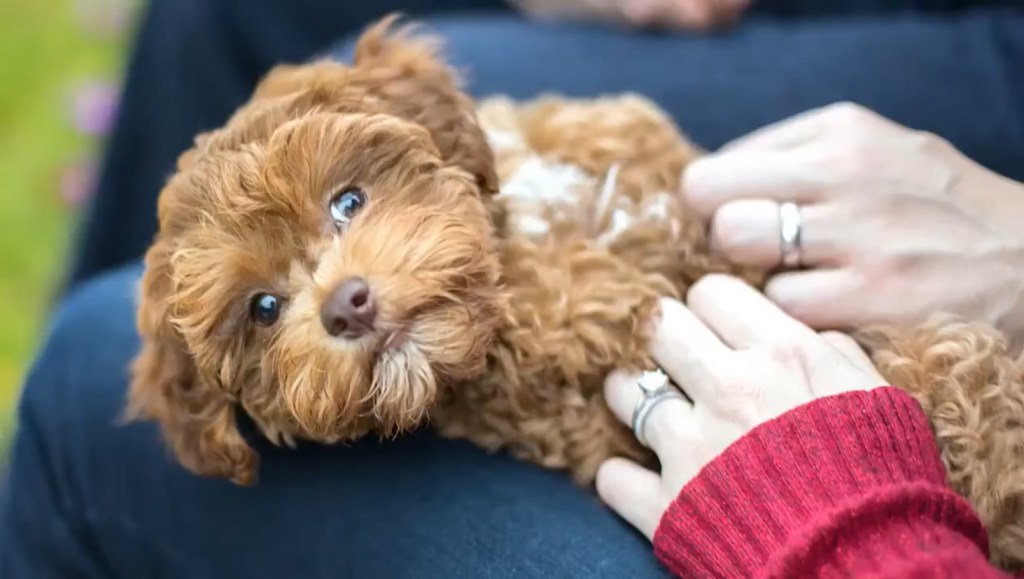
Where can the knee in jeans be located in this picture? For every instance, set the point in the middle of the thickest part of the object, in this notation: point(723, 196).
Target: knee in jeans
point(82, 366)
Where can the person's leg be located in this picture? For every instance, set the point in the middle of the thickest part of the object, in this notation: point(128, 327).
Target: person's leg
point(89, 497)
point(961, 77)
point(193, 63)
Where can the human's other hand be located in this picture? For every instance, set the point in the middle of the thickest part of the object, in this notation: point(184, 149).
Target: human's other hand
point(670, 14)
point(685, 14)
point(742, 361)
point(897, 224)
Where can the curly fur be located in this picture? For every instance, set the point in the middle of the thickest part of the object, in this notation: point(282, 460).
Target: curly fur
point(513, 304)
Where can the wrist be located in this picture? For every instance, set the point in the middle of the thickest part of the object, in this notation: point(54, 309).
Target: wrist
point(999, 199)
point(998, 202)
point(793, 481)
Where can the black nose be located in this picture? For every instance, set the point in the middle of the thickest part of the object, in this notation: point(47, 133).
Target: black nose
point(350, 311)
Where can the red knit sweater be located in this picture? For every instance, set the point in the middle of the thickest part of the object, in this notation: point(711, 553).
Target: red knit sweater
point(846, 486)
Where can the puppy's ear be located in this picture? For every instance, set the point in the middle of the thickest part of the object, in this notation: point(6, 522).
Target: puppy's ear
point(412, 80)
point(196, 418)
point(396, 73)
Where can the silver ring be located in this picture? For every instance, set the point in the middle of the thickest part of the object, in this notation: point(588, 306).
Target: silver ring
point(790, 230)
point(656, 388)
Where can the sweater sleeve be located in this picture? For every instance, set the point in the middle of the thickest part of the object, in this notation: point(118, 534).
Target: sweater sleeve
point(846, 486)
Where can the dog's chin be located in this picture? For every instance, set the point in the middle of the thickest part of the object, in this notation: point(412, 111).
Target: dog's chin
point(394, 341)
point(387, 382)
point(404, 383)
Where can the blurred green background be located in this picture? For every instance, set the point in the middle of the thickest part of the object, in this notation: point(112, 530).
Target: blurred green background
point(60, 63)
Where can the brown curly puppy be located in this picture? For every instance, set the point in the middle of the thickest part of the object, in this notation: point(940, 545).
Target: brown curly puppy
point(338, 261)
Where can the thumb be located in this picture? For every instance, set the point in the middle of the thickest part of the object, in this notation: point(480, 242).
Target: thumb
point(633, 492)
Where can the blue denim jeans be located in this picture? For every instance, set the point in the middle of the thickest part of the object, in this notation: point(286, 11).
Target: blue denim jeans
point(91, 497)
point(88, 496)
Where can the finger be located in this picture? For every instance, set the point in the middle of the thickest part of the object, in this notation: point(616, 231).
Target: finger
point(824, 299)
point(849, 348)
point(623, 394)
point(728, 12)
point(748, 232)
point(714, 180)
point(688, 14)
point(833, 119)
point(678, 14)
point(633, 492)
point(687, 349)
point(741, 315)
point(785, 134)
point(698, 14)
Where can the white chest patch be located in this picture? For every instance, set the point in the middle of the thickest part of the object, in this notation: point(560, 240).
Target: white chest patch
point(544, 197)
point(542, 194)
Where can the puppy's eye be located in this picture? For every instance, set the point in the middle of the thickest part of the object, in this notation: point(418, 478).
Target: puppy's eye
point(346, 204)
point(265, 309)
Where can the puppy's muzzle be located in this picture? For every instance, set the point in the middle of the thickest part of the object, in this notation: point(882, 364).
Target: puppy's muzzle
point(350, 311)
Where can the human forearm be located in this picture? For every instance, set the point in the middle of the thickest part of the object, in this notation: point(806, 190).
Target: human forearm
point(856, 487)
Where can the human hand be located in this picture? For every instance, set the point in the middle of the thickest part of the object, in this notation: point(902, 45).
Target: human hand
point(673, 14)
point(742, 362)
point(897, 224)
point(685, 14)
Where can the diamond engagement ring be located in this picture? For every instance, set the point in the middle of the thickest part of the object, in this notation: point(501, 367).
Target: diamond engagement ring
point(656, 388)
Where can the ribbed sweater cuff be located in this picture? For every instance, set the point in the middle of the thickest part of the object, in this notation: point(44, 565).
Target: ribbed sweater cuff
point(821, 489)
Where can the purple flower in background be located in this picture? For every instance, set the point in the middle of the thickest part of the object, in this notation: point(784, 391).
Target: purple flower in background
point(93, 104)
point(94, 107)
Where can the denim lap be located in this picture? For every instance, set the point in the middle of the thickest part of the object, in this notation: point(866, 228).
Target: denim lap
point(104, 496)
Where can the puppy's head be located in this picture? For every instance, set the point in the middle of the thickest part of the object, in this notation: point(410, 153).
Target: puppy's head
point(325, 261)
